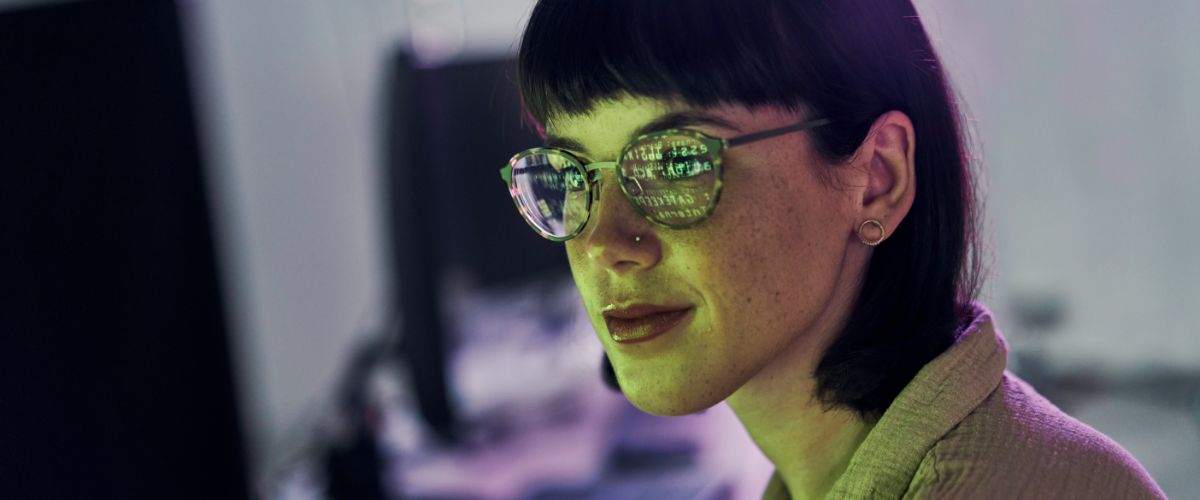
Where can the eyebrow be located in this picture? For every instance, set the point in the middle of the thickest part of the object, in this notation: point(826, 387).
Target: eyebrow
point(675, 119)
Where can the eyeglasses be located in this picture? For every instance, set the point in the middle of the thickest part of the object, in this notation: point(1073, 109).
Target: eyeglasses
point(671, 177)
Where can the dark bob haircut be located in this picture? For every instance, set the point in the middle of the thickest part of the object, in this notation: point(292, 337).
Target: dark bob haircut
point(847, 60)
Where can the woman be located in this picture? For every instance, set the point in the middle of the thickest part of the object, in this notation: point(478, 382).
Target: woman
point(770, 203)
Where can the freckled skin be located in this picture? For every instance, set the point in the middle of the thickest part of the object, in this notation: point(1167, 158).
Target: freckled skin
point(767, 272)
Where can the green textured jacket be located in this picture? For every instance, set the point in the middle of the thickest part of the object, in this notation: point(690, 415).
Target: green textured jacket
point(964, 427)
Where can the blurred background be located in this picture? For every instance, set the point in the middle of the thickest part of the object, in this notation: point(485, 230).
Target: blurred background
point(257, 249)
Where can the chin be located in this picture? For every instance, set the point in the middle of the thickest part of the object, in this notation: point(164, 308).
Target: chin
point(669, 400)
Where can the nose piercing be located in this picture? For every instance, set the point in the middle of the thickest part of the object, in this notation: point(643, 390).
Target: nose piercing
point(637, 239)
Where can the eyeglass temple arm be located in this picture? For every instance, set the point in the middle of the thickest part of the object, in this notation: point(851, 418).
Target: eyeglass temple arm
point(767, 134)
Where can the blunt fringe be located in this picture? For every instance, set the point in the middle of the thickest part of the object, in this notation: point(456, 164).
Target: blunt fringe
point(847, 60)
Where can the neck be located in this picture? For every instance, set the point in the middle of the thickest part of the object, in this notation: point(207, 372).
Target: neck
point(810, 446)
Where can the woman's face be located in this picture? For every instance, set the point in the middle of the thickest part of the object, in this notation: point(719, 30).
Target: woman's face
point(698, 312)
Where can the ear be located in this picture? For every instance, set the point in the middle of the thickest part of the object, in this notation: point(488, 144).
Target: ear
point(888, 153)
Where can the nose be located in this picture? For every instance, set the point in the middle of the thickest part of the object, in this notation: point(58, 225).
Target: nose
point(617, 237)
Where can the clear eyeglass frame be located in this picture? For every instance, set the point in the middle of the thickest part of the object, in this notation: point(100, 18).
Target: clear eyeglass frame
point(591, 172)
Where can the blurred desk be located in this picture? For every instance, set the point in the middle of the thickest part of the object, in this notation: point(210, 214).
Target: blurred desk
point(604, 448)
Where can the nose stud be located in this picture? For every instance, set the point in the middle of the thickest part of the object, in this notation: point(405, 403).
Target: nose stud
point(637, 239)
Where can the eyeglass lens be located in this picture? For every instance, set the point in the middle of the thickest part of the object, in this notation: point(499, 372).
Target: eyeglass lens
point(669, 178)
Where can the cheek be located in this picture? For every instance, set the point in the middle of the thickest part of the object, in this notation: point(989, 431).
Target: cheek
point(774, 253)
point(577, 259)
point(587, 287)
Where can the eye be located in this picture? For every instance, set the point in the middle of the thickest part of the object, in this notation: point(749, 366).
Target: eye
point(683, 168)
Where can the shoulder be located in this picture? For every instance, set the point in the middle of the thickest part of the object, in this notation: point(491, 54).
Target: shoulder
point(1016, 444)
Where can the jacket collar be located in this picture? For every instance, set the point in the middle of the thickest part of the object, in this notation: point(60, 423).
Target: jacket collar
point(941, 394)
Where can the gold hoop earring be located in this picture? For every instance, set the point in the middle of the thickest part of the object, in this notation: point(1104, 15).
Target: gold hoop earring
point(882, 232)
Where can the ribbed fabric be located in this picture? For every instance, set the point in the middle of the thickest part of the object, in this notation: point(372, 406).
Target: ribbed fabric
point(964, 427)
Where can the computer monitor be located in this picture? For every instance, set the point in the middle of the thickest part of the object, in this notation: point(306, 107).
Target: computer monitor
point(114, 358)
point(451, 128)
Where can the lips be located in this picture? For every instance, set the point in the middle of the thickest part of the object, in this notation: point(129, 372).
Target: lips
point(642, 322)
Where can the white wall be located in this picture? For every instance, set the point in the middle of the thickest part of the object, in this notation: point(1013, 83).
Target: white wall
point(290, 97)
point(1088, 118)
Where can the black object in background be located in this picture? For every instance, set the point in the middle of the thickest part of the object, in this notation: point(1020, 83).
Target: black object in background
point(114, 364)
point(451, 129)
